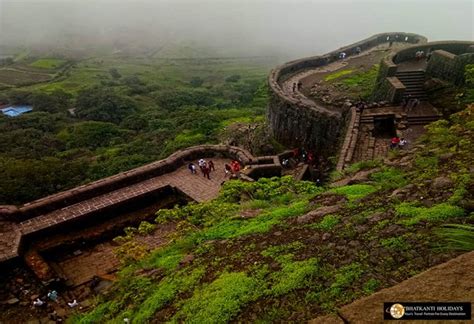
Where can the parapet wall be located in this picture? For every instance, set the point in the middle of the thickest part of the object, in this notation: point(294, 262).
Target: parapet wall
point(447, 62)
point(300, 123)
point(75, 195)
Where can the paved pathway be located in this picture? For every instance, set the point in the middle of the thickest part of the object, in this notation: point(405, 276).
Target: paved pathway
point(101, 259)
point(195, 186)
point(307, 81)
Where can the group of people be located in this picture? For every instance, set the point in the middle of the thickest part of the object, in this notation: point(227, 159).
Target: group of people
point(297, 85)
point(207, 166)
point(397, 142)
point(300, 155)
point(419, 55)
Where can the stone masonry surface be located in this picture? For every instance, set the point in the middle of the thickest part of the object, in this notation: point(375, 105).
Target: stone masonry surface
point(57, 210)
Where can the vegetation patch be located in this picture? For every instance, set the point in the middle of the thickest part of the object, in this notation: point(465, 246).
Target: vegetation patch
point(389, 178)
point(48, 63)
point(457, 236)
point(337, 75)
point(413, 215)
point(219, 301)
point(327, 223)
point(354, 192)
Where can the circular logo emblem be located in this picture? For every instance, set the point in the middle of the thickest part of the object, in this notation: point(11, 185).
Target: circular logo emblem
point(397, 311)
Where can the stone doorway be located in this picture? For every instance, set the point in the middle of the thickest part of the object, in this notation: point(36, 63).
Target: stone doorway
point(384, 127)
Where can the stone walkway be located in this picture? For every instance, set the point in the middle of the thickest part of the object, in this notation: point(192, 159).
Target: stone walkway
point(448, 282)
point(307, 76)
point(195, 186)
point(101, 259)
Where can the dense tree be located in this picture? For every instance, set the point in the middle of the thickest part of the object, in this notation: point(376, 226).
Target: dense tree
point(55, 101)
point(114, 73)
point(103, 104)
point(172, 100)
point(90, 134)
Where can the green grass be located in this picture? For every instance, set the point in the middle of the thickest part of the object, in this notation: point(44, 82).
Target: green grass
point(390, 178)
point(362, 165)
point(354, 192)
point(363, 82)
point(276, 251)
point(219, 301)
point(327, 223)
point(457, 237)
point(371, 286)
point(165, 292)
point(362, 79)
point(261, 224)
point(395, 243)
point(337, 75)
point(412, 215)
point(293, 275)
point(48, 63)
point(166, 258)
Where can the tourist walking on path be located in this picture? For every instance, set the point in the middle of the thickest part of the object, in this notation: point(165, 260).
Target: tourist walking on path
point(300, 85)
point(201, 163)
point(192, 168)
point(211, 166)
point(294, 86)
point(206, 171)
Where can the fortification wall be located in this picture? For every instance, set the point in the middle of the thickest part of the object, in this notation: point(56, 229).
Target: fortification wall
point(123, 179)
point(447, 62)
point(297, 123)
point(447, 66)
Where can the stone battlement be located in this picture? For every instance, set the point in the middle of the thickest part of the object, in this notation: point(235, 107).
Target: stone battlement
point(302, 122)
point(88, 202)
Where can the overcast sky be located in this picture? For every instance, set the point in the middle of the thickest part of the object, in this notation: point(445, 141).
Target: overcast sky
point(293, 27)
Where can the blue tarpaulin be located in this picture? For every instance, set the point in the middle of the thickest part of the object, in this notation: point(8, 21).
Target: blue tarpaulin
point(14, 111)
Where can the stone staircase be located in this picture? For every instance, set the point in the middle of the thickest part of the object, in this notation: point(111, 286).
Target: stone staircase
point(422, 120)
point(413, 81)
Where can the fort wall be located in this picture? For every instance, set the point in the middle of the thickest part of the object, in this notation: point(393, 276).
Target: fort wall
point(304, 123)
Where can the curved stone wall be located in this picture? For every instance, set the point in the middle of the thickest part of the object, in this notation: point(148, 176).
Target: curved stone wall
point(77, 194)
point(297, 123)
point(447, 62)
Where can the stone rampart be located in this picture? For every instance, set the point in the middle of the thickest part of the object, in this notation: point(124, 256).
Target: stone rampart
point(447, 66)
point(102, 186)
point(295, 122)
point(447, 62)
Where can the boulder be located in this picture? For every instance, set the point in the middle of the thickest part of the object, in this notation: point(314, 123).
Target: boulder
point(318, 213)
point(442, 183)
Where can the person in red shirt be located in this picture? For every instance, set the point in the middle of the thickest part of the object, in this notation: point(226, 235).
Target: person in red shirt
point(236, 168)
point(394, 142)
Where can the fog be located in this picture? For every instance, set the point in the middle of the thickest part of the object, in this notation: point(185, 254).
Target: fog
point(290, 28)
